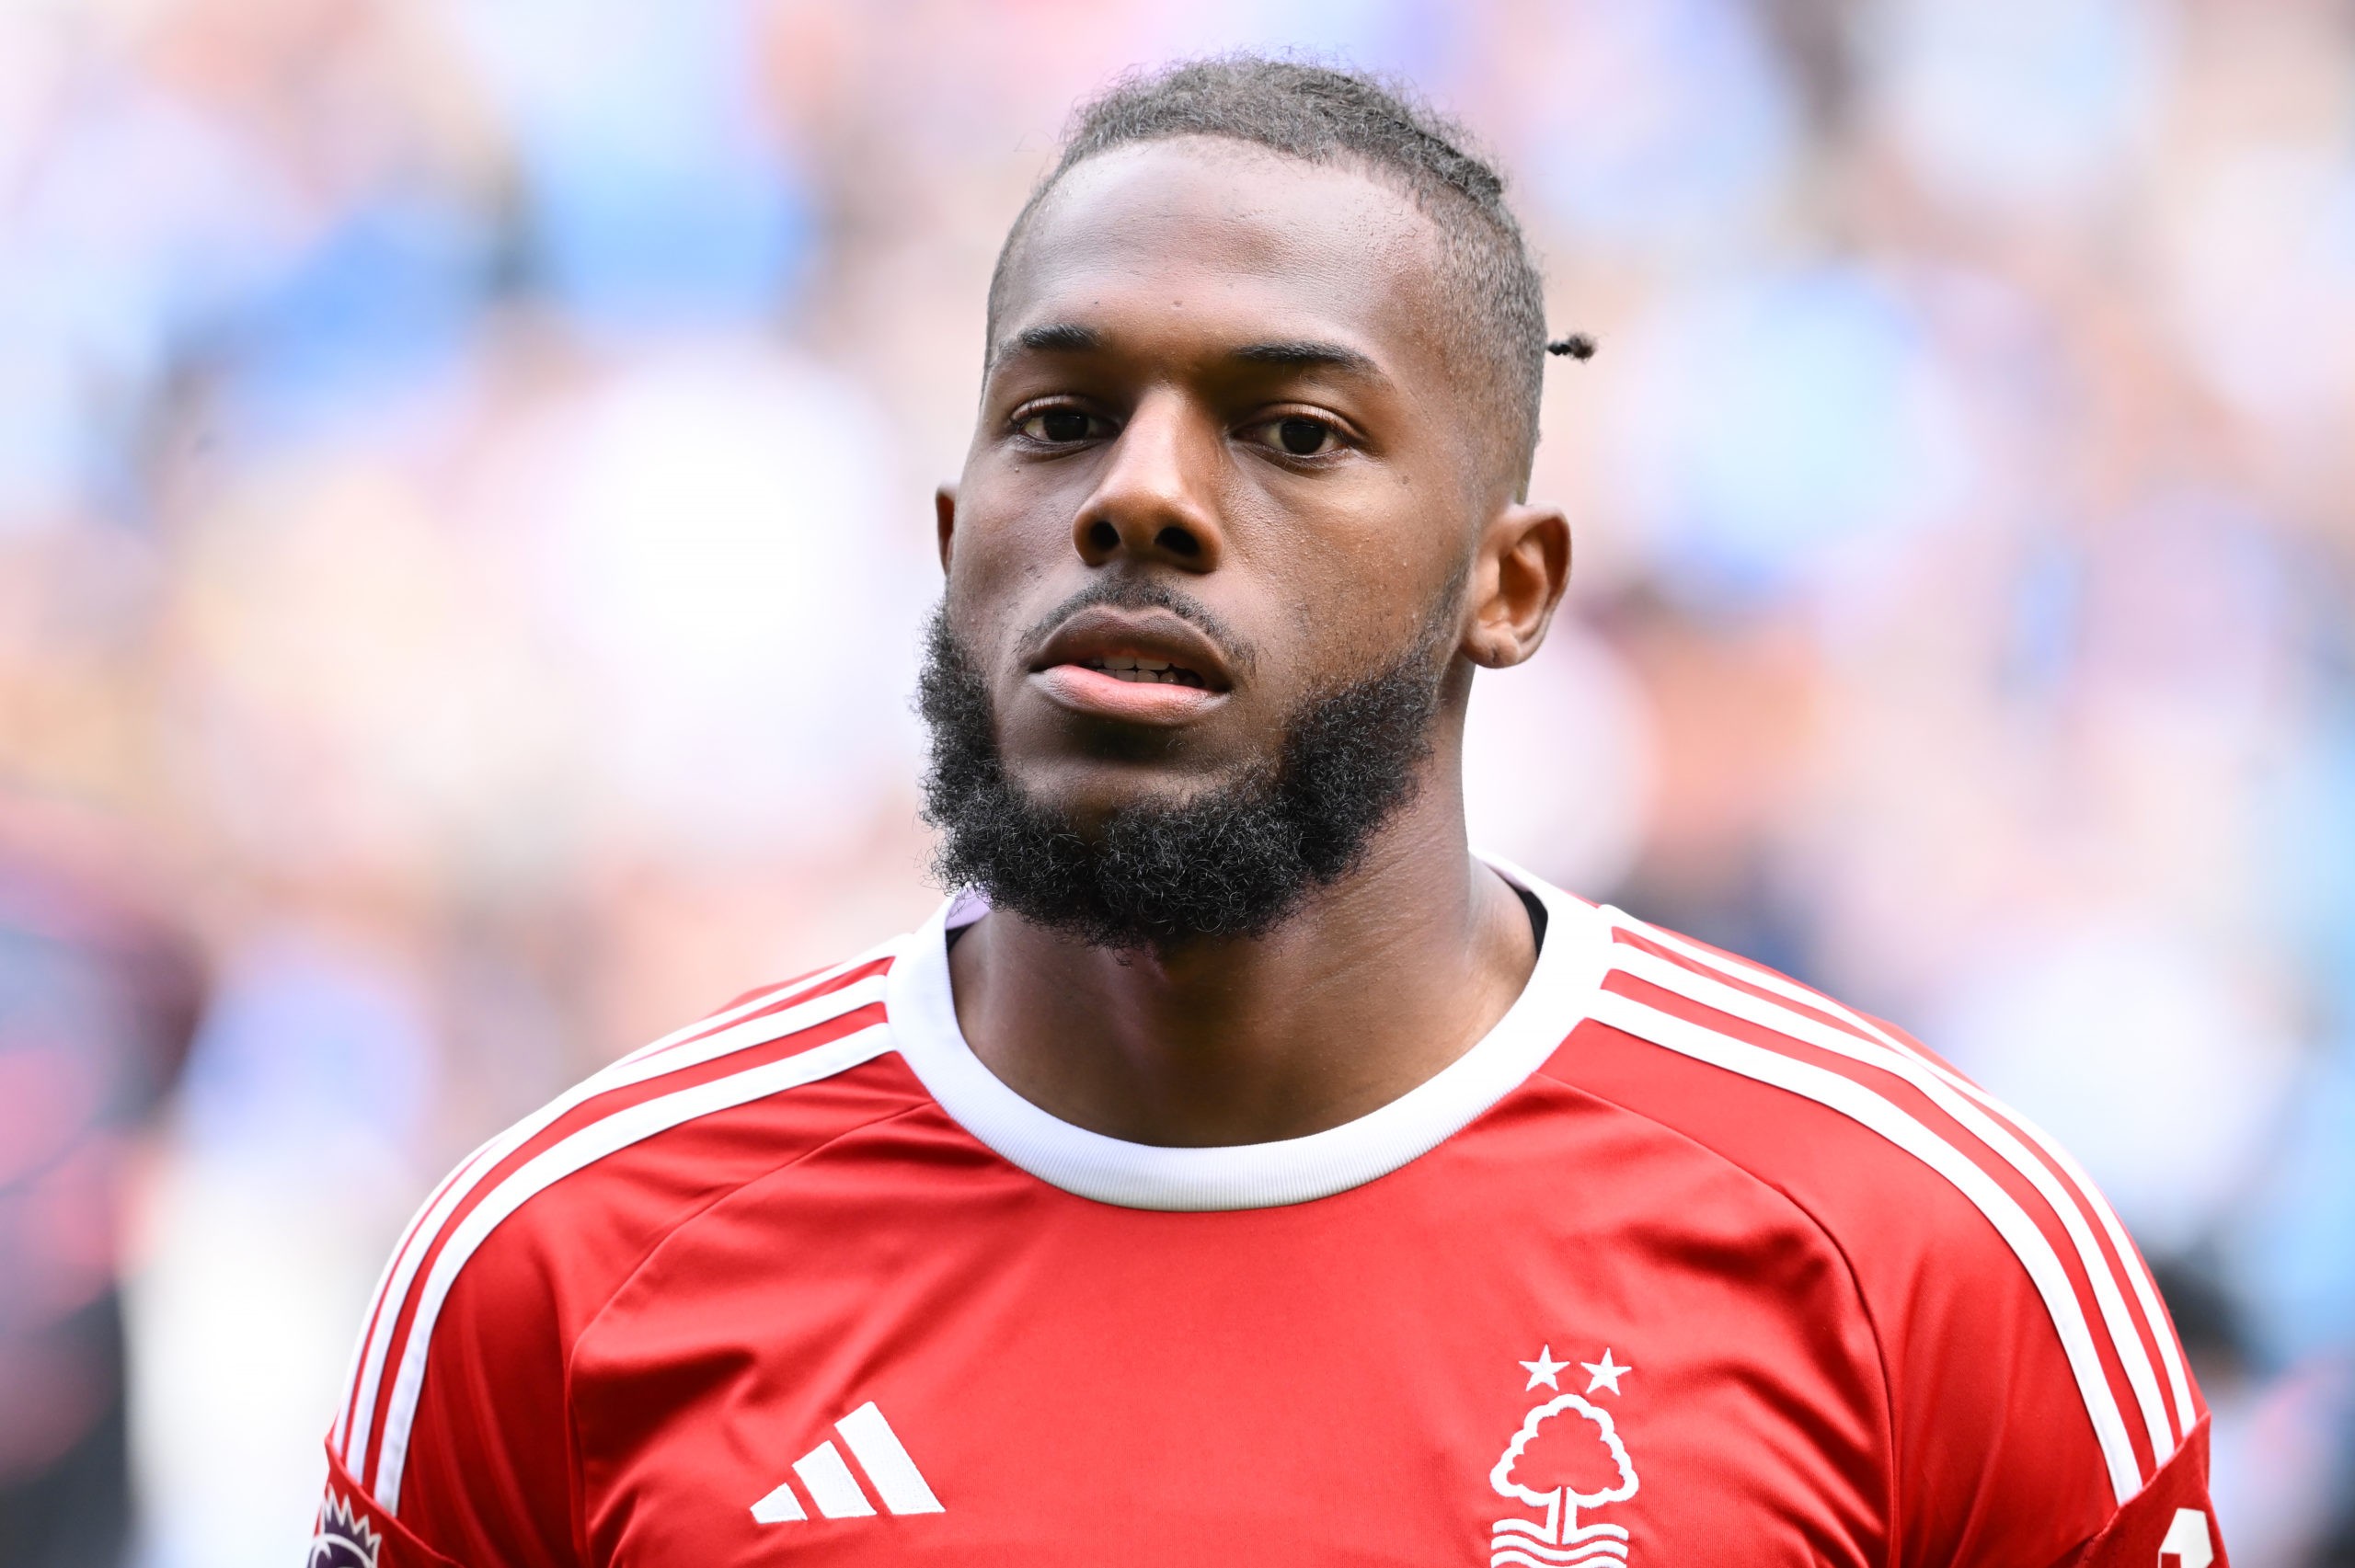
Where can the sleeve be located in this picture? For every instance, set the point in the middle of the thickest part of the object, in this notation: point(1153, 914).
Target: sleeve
point(353, 1532)
point(471, 1465)
point(2169, 1524)
point(2042, 1410)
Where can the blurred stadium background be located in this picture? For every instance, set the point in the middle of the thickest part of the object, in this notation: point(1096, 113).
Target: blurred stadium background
point(464, 475)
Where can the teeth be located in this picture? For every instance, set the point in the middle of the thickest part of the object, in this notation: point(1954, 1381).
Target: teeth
point(1148, 671)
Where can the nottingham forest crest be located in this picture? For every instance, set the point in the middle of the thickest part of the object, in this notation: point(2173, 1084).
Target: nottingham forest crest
point(1565, 1460)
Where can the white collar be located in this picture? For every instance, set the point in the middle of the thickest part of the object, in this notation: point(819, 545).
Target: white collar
point(1570, 964)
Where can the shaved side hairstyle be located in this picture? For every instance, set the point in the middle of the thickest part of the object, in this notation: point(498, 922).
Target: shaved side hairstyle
point(1495, 330)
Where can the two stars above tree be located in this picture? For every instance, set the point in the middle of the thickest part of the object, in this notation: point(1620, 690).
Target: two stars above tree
point(1543, 1371)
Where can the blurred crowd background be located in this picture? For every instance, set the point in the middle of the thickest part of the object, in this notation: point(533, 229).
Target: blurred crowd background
point(464, 528)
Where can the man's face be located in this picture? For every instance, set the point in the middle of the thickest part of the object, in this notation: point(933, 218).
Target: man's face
point(1220, 384)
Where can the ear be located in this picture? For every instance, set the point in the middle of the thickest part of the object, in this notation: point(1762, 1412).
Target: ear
point(944, 508)
point(1521, 567)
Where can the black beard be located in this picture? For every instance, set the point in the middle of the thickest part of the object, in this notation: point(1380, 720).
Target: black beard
point(1233, 860)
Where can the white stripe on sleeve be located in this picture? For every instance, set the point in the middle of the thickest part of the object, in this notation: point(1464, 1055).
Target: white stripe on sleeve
point(1872, 1111)
point(2147, 1292)
point(584, 1148)
point(2124, 1338)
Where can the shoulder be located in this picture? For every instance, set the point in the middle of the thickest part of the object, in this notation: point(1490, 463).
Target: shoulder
point(521, 1246)
point(2010, 1304)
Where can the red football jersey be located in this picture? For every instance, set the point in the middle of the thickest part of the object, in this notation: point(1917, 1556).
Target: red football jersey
point(1681, 1264)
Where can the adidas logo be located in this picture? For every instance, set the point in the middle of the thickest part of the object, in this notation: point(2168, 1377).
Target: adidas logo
point(835, 1491)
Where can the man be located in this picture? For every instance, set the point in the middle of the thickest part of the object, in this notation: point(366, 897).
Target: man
point(1239, 1169)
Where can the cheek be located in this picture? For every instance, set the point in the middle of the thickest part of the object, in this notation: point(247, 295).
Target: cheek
point(1003, 544)
point(1361, 583)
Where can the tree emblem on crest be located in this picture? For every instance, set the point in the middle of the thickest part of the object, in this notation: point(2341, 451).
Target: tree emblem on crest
point(1568, 1456)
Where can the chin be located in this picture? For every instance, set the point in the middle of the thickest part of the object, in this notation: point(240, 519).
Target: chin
point(1088, 795)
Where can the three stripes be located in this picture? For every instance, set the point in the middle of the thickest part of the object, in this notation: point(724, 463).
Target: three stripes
point(370, 1433)
point(836, 1491)
point(1751, 994)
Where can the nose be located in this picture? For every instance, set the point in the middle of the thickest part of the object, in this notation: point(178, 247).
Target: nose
point(1157, 498)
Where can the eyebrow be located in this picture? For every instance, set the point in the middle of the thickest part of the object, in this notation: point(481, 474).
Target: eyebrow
point(1054, 337)
point(1309, 354)
point(1070, 337)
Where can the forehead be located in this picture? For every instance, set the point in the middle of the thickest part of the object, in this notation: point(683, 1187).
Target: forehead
point(1225, 234)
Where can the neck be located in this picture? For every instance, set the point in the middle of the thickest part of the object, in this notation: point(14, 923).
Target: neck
point(1376, 983)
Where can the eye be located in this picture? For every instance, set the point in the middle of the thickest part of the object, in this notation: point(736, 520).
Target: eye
point(1303, 438)
point(1060, 426)
point(1297, 435)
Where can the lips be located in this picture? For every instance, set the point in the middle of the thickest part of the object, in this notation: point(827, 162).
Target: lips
point(1141, 667)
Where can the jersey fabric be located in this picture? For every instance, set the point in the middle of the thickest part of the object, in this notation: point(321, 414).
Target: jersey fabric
point(1682, 1262)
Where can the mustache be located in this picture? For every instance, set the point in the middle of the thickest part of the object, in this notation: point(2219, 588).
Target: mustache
point(1140, 593)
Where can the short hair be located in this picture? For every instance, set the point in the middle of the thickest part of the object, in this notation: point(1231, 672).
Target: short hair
point(1324, 115)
